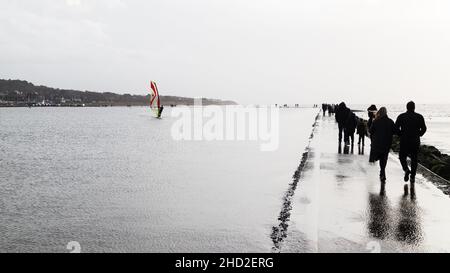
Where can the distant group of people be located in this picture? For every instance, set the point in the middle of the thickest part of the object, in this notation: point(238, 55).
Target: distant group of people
point(409, 126)
point(331, 108)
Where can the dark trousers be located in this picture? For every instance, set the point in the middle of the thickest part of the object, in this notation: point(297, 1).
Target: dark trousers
point(349, 136)
point(361, 139)
point(341, 131)
point(383, 164)
point(412, 152)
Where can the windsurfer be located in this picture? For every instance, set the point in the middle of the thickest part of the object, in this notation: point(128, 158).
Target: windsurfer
point(160, 110)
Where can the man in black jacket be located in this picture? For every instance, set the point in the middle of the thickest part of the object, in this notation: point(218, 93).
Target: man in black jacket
point(410, 126)
point(341, 116)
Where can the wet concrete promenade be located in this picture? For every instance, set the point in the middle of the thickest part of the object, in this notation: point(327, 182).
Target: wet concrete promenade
point(338, 205)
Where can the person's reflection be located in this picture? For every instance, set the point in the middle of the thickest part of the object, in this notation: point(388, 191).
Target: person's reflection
point(413, 192)
point(360, 149)
point(379, 217)
point(383, 189)
point(346, 149)
point(408, 228)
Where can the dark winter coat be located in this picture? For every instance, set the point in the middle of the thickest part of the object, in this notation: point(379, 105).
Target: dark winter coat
point(351, 123)
point(361, 128)
point(369, 123)
point(341, 116)
point(382, 132)
point(410, 127)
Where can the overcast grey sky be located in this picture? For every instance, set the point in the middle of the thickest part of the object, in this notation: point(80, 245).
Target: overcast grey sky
point(251, 51)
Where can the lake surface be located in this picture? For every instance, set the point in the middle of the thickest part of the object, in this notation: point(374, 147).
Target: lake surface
point(114, 180)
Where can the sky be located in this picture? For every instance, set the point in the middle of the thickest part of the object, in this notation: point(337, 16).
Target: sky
point(249, 51)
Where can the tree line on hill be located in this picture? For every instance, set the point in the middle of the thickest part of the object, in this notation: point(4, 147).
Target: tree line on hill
point(23, 93)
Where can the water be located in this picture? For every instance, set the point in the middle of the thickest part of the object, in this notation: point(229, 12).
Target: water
point(437, 118)
point(115, 181)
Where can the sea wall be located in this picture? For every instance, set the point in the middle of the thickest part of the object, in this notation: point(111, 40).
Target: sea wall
point(432, 160)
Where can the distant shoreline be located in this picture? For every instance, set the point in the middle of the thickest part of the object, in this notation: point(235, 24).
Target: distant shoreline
point(18, 93)
point(75, 105)
point(97, 106)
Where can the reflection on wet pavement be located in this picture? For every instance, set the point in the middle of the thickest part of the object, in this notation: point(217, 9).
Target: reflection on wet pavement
point(408, 228)
point(348, 210)
point(361, 149)
point(379, 223)
point(382, 224)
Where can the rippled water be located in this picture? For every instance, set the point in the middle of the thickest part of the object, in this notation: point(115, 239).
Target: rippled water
point(115, 181)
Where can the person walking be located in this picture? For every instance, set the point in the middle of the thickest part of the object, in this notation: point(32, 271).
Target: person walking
point(371, 111)
point(330, 109)
point(382, 132)
point(324, 108)
point(410, 127)
point(361, 131)
point(350, 127)
point(341, 116)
